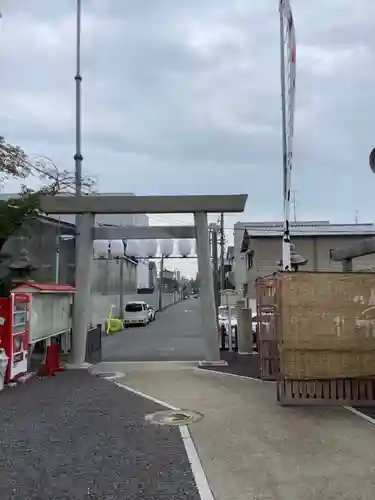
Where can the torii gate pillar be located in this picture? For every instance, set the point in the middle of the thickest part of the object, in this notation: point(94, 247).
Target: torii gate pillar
point(207, 293)
point(81, 308)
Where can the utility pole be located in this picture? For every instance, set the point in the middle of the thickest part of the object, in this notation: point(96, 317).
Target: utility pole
point(161, 284)
point(215, 266)
point(121, 288)
point(222, 254)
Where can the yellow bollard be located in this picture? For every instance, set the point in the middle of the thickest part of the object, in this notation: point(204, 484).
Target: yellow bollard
point(109, 319)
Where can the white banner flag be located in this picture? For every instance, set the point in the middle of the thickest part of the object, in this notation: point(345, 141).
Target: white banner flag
point(288, 90)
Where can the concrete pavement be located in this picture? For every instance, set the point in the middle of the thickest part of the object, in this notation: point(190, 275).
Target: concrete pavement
point(174, 335)
point(78, 437)
point(251, 448)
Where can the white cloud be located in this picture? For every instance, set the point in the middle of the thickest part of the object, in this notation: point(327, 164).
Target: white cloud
point(183, 97)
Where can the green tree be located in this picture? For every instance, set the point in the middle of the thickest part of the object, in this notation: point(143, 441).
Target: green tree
point(195, 284)
point(16, 164)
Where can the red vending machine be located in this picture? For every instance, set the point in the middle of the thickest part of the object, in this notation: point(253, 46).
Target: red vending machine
point(14, 332)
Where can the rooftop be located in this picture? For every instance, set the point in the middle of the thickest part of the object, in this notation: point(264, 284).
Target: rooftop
point(305, 228)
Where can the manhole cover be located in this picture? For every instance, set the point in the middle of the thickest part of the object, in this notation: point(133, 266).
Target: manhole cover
point(105, 375)
point(174, 417)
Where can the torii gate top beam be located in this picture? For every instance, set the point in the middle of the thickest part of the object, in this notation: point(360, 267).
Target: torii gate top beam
point(175, 204)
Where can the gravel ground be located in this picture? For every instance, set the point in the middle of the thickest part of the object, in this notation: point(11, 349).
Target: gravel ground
point(76, 436)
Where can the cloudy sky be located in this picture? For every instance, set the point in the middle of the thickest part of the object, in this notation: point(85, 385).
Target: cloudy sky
point(184, 97)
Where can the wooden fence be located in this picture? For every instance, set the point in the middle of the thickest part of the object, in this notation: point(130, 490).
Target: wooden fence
point(317, 337)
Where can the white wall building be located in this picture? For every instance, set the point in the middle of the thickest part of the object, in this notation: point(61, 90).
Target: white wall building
point(258, 248)
point(143, 274)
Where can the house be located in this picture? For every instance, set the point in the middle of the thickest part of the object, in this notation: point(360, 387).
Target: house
point(257, 248)
point(170, 283)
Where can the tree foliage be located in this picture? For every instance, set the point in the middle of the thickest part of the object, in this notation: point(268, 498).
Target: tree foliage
point(16, 164)
point(13, 161)
point(195, 283)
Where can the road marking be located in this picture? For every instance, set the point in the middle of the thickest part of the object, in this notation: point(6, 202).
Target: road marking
point(200, 478)
point(113, 377)
point(243, 377)
point(201, 481)
point(360, 414)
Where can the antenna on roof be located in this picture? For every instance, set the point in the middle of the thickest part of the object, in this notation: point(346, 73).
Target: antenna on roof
point(356, 217)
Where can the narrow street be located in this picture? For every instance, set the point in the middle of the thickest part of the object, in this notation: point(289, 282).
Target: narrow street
point(175, 335)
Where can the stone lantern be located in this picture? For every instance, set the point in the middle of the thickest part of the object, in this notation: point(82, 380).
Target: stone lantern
point(22, 267)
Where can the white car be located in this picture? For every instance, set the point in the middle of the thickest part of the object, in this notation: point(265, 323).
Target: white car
point(136, 313)
point(223, 316)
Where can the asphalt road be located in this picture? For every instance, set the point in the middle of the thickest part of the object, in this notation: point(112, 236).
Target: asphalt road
point(79, 437)
point(175, 335)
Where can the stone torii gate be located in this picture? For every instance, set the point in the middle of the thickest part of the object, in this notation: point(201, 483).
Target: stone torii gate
point(88, 206)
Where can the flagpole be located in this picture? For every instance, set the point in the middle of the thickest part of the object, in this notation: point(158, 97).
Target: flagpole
point(286, 188)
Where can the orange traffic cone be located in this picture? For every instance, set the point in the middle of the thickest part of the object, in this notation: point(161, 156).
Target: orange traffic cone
point(55, 358)
point(52, 362)
point(45, 369)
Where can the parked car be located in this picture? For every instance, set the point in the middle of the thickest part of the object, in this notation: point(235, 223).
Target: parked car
point(136, 313)
point(223, 316)
point(151, 313)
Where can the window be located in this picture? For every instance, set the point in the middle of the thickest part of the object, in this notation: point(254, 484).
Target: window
point(249, 259)
point(134, 307)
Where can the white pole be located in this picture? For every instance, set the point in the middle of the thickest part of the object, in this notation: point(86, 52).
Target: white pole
point(286, 187)
point(230, 343)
